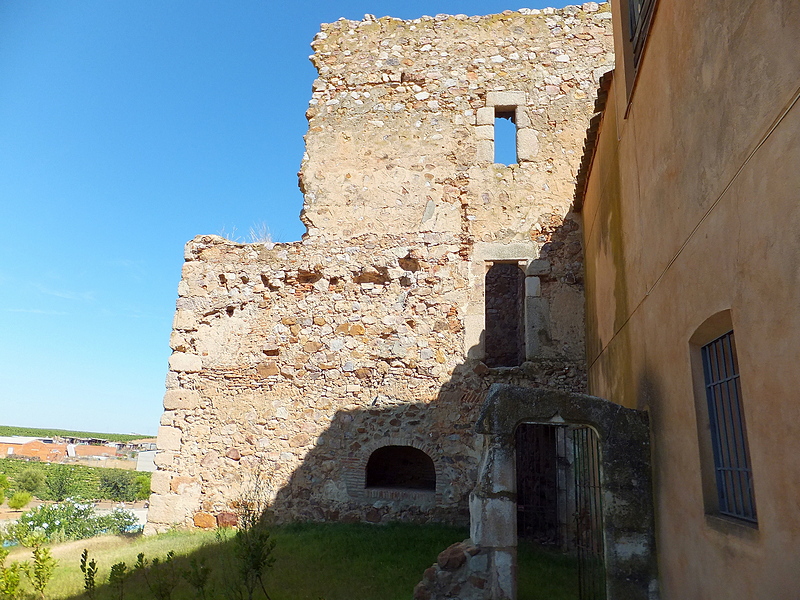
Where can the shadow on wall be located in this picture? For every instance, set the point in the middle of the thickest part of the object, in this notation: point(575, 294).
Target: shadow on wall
point(400, 461)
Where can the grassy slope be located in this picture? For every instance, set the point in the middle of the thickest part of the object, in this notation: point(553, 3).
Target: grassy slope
point(32, 432)
point(322, 561)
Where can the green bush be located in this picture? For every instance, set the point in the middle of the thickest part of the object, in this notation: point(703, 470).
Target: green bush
point(70, 521)
point(30, 480)
point(19, 500)
point(118, 485)
point(4, 485)
point(143, 486)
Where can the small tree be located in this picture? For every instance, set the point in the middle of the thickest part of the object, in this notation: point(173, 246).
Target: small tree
point(89, 570)
point(30, 480)
point(116, 578)
point(252, 547)
point(19, 500)
point(10, 577)
point(60, 483)
point(41, 571)
point(119, 485)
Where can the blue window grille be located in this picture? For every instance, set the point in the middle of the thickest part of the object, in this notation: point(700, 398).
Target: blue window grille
point(728, 433)
point(640, 13)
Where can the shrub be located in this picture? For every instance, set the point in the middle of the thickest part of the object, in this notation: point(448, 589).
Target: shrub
point(118, 485)
point(19, 500)
point(30, 480)
point(4, 485)
point(70, 521)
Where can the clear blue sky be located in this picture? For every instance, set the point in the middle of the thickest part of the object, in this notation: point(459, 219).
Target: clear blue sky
point(127, 128)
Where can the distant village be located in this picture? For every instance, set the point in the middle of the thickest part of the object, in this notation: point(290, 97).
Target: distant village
point(131, 455)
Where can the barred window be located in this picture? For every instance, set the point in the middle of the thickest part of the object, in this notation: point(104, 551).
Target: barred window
point(640, 13)
point(734, 477)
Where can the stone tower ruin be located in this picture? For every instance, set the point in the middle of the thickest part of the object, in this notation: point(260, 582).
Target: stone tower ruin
point(347, 370)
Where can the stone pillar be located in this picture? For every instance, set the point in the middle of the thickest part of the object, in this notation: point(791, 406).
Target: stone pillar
point(493, 516)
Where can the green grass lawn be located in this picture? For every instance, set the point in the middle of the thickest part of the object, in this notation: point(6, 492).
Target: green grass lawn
point(332, 561)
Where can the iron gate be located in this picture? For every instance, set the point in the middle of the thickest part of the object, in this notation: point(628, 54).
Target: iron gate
point(558, 477)
point(541, 483)
point(588, 514)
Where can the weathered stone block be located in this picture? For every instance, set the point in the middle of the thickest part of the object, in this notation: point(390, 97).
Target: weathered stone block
point(169, 438)
point(268, 368)
point(181, 399)
point(527, 144)
point(485, 116)
point(204, 520)
point(165, 509)
point(533, 287)
point(187, 363)
point(227, 519)
point(484, 132)
point(538, 267)
point(159, 482)
point(506, 99)
point(485, 151)
point(184, 320)
point(452, 558)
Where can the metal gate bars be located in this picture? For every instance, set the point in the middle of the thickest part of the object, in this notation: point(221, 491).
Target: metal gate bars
point(559, 496)
point(588, 515)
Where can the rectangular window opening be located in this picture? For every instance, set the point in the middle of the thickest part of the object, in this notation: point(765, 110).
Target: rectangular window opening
point(505, 136)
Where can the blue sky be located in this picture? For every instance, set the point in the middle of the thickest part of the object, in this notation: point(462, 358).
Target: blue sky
point(127, 128)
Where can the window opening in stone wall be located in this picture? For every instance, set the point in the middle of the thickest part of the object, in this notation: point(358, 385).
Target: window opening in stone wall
point(505, 136)
point(400, 467)
point(504, 341)
point(734, 476)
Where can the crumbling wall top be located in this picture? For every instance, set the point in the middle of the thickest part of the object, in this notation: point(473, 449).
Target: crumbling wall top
point(401, 120)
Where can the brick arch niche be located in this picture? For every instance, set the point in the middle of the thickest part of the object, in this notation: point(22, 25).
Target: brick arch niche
point(401, 468)
point(418, 475)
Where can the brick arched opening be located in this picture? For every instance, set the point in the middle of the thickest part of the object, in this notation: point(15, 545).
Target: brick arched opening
point(400, 467)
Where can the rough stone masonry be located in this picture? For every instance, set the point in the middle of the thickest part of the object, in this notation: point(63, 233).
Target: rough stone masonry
point(294, 363)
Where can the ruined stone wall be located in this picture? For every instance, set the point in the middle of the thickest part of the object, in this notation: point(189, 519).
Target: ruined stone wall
point(297, 361)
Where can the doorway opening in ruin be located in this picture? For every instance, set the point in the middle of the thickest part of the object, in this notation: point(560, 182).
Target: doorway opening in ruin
point(400, 467)
point(504, 340)
point(559, 496)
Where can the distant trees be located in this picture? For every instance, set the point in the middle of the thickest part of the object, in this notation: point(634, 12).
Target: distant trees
point(119, 485)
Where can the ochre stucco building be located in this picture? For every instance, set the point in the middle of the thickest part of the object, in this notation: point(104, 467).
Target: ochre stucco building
point(690, 228)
